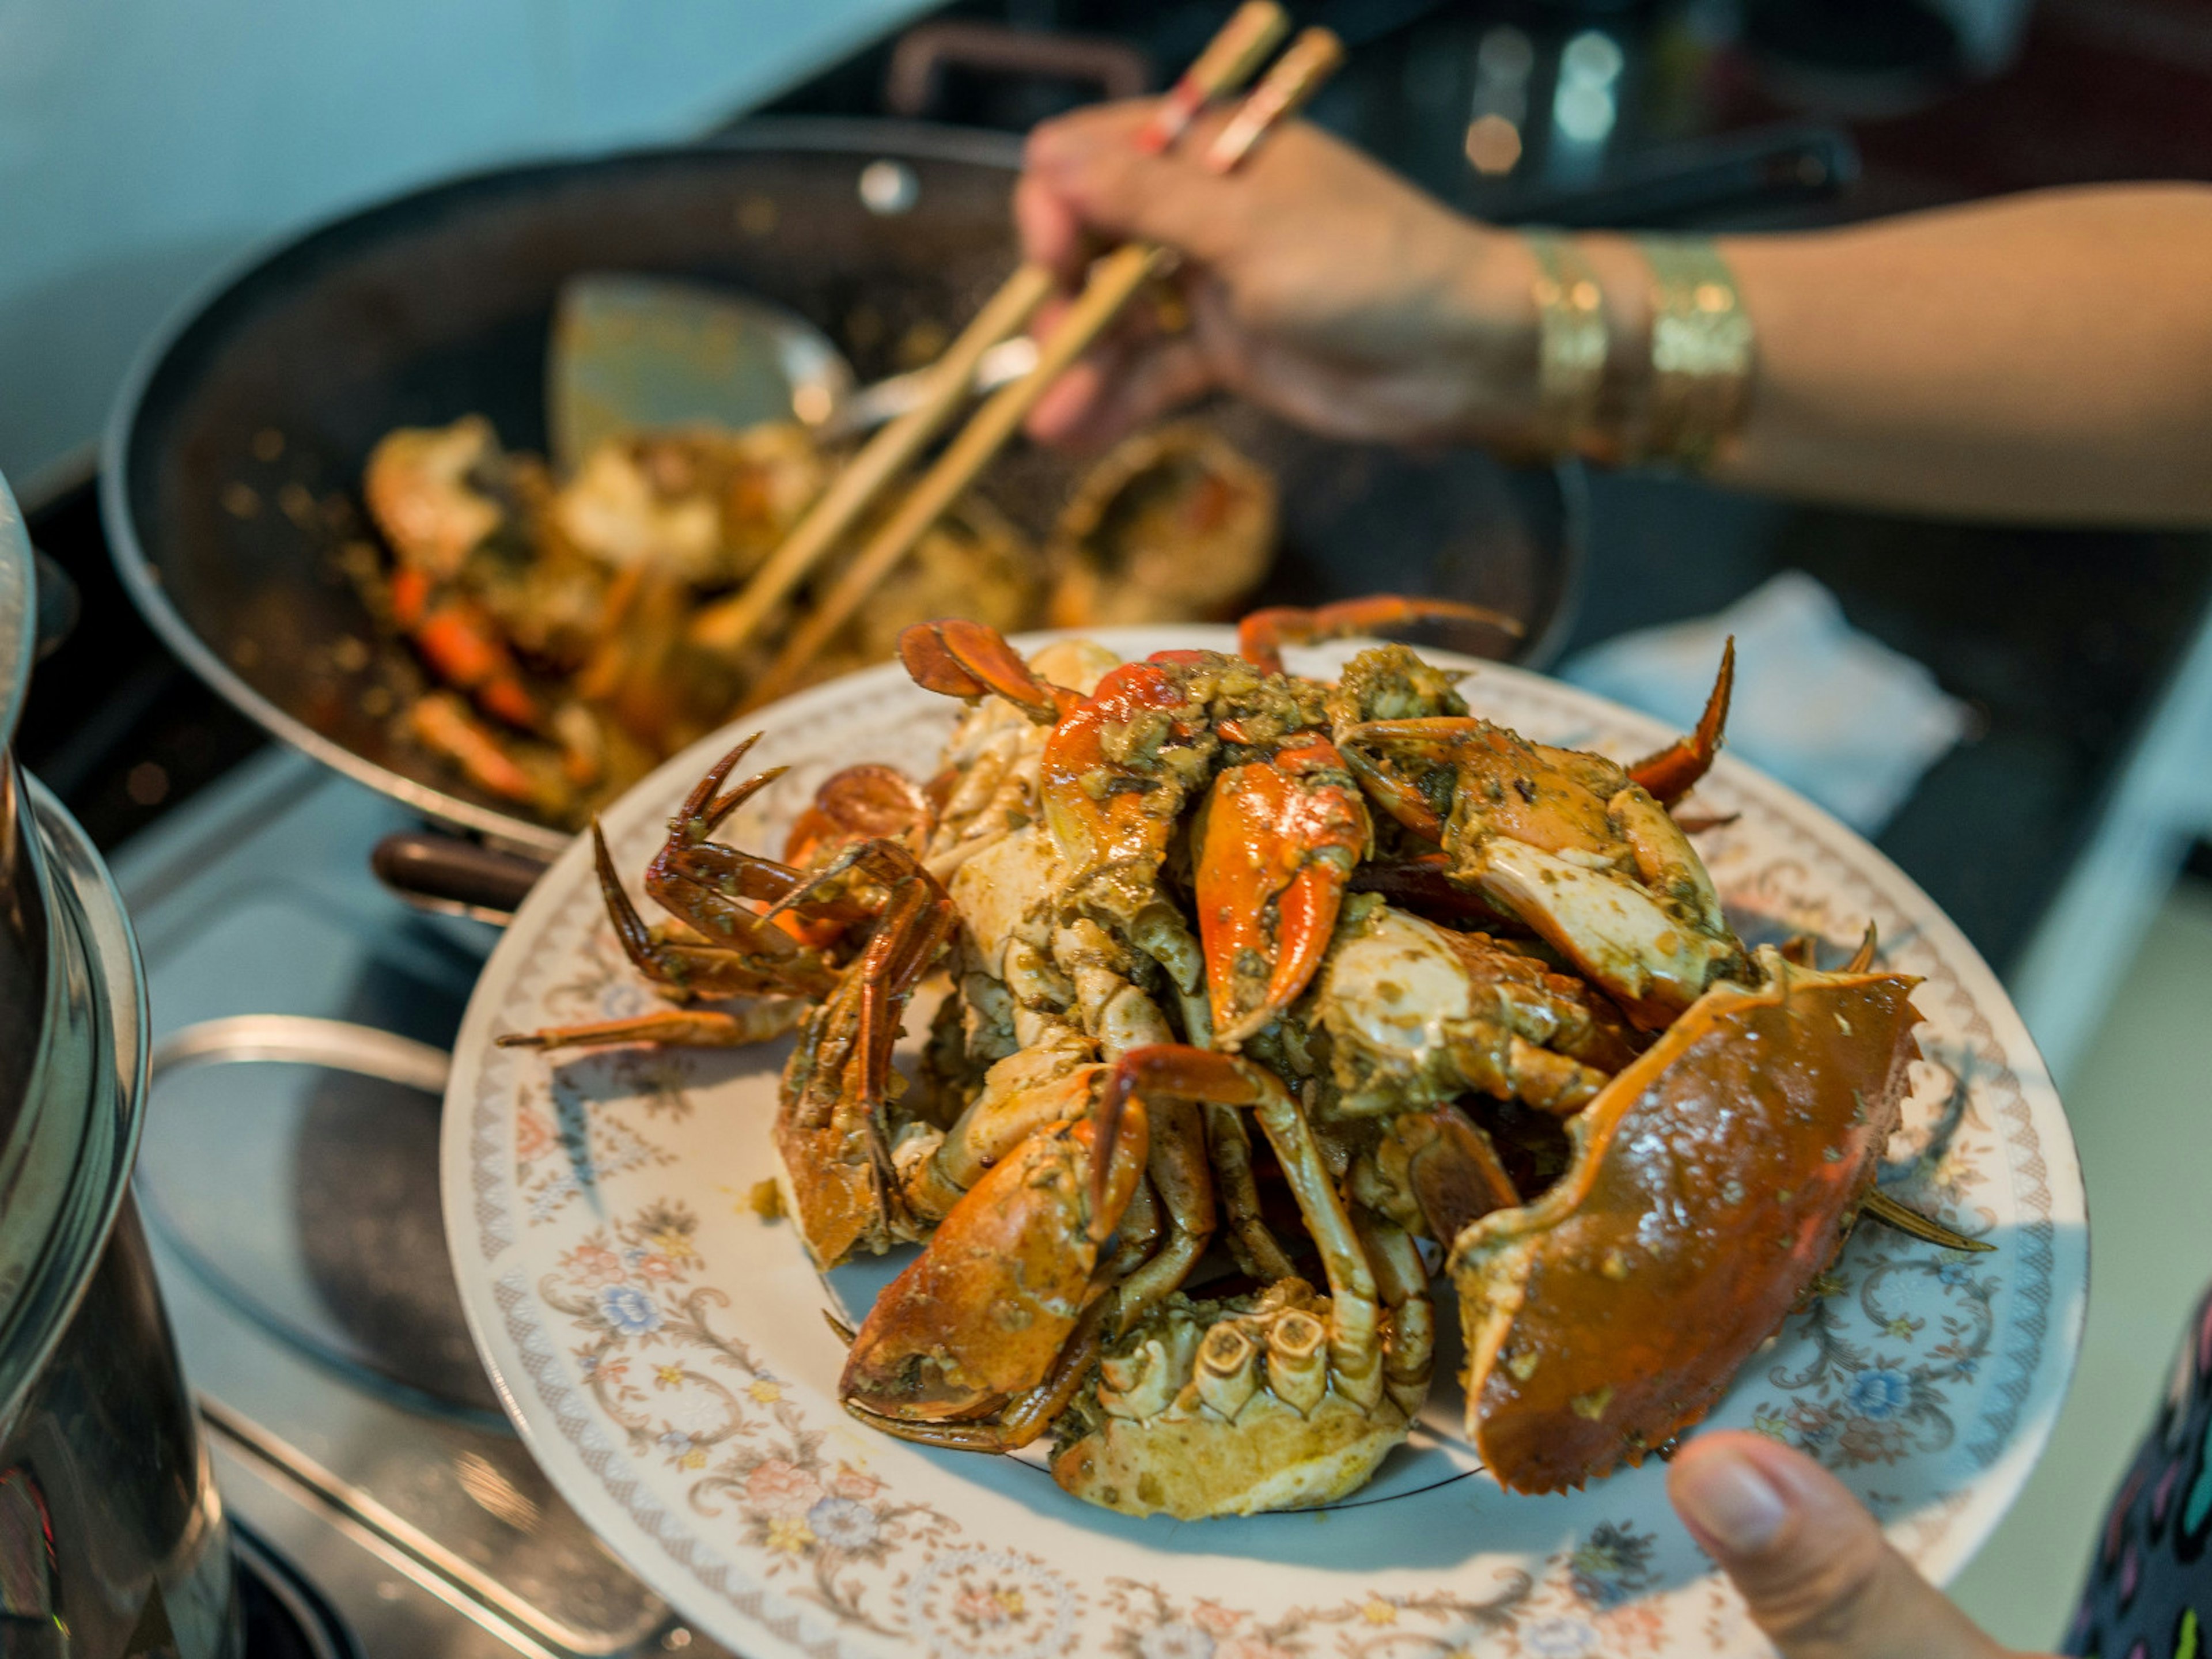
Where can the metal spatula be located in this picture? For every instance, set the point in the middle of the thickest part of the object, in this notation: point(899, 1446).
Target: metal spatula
point(631, 352)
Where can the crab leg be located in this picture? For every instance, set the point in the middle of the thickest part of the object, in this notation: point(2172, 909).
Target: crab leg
point(831, 1137)
point(767, 962)
point(1255, 1248)
point(712, 887)
point(442, 722)
point(1675, 770)
point(1261, 637)
point(692, 1028)
point(1180, 1169)
point(1230, 1080)
point(1280, 839)
point(1277, 1400)
point(1410, 1349)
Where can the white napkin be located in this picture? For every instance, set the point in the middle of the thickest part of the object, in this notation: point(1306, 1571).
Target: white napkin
point(1832, 712)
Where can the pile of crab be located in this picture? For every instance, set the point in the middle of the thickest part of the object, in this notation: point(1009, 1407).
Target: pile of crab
point(1478, 994)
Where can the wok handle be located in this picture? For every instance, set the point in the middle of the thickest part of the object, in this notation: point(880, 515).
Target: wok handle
point(452, 877)
point(1764, 167)
point(914, 83)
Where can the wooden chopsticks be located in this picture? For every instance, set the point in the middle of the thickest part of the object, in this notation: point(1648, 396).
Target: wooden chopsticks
point(1114, 281)
point(1231, 59)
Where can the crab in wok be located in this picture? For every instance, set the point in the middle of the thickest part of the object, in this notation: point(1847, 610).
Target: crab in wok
point(1181, 898)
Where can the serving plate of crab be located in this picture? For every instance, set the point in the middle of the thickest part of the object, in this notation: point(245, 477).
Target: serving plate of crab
point(1187, 1143)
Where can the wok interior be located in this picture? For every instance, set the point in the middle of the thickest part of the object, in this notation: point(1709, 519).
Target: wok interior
point(439, 304)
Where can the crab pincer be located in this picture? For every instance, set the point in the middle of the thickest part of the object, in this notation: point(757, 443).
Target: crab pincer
point(1674, 771)
point(1279, 840)
point(956, 658)
point(998, 1317)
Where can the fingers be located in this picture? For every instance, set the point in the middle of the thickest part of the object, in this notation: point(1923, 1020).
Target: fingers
point(1051, 234)
point(1119, 386)
point(1088, 167)
point(1811, 1563)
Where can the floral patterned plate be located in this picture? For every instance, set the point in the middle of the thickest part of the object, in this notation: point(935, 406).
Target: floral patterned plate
point(663, 1348)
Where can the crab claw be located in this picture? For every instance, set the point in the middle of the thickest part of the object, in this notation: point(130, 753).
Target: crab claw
point(980, 1317)
point(960, 659)
point(1675, 770)
point(1261, 637)
point(1280, 839)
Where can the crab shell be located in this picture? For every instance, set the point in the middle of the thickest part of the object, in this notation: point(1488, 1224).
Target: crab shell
point(1714, 1178)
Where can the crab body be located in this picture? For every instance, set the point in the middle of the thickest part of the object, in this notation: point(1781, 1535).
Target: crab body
point(1714, 1178)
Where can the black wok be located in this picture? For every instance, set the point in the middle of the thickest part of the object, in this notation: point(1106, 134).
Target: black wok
point(426, 307)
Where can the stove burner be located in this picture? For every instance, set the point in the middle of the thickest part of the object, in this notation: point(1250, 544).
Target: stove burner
point(279, 1612)
point(372, 1242)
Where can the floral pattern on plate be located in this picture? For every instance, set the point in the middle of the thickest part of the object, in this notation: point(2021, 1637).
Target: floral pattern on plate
point(666, 1353)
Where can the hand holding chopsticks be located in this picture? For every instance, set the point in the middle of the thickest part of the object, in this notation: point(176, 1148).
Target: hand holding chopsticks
point(1231, 58)
point(1114, 281)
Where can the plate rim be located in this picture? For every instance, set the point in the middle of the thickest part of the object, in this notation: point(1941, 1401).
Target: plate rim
point(1982, 1500)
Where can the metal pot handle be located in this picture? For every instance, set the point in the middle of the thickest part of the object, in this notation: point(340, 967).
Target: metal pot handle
point(336, 1044)
point(924, 53)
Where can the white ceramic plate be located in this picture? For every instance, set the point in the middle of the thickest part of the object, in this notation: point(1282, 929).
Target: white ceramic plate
point(664, 1352)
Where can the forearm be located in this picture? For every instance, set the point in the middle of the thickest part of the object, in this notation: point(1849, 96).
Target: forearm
point(2044, 357)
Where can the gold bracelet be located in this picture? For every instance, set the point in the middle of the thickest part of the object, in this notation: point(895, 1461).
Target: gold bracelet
point(1572, 342)
point(1701, 352)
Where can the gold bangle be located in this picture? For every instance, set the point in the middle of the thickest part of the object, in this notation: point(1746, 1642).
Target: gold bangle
point(1701, 352)
point(1572, 342)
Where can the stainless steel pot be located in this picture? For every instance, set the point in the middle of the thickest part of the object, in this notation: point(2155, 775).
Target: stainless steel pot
point(111, 1540)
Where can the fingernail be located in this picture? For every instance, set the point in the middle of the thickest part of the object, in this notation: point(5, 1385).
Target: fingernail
point(1728, 1498)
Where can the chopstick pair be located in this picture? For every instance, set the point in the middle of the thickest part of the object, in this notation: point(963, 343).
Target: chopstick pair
point(1114, 281)
point(1230, 60)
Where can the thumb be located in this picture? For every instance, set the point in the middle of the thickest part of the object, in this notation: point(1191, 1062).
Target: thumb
point(1811, 1563)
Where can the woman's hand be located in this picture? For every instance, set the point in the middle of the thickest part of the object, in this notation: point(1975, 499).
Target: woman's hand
point(1820, 1578)
point(1319, 285)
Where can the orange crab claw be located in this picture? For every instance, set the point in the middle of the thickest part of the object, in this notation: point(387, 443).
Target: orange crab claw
point(981, 1315)
point(1675, 770)
point(1261, 637)
point(462, 645)
point(960, 659)
point(1279, 840)
point(1095, 827)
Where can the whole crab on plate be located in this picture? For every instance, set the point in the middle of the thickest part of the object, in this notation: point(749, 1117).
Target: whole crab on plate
point(1477, 993)
point(1292, 1104)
